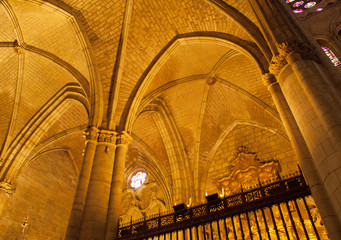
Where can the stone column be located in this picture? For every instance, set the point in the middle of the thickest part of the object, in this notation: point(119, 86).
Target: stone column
point(304, 62)
point(123, 140)
point(315, 108)
point(75, 220)
point(308, 83)
point(96, 206)
point(310, 172)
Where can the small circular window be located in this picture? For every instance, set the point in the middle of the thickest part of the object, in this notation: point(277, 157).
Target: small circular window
point(138, 179)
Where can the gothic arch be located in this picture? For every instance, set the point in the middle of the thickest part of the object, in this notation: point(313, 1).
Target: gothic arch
point(246, 23)
point(22, 145)
point(129, 114)
point(92, 89)
point(155, 169)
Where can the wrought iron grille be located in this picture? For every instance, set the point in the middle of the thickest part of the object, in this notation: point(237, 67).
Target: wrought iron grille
point(277, 210)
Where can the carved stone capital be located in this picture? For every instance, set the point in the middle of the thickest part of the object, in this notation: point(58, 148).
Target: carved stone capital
point(91, 133)
point(123, 138)
point(305, 50)
point(107, 136)
point(278, 62)
point(269, 79)
point(8, 188)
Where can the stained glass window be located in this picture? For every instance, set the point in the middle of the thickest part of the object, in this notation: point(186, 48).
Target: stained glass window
point(297, 4)
point(297, 10)
point(300, 6)
point(138, 179)
point(331, 56)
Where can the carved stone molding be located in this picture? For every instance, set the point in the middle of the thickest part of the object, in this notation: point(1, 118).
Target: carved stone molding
point(278, 62)
point(211, 80)
point(18, 49)
point(269, 79)
point(8, 188)
point(123, 138)
point(91, 133)
point(306, 50)
point(107, 136)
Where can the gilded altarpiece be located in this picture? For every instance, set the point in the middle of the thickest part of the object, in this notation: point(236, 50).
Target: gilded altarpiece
point(291, 220)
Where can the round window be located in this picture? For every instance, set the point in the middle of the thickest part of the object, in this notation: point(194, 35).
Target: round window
point(138, 179)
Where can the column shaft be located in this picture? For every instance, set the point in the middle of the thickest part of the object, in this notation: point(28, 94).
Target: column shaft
point(320, 94)
point(308, 84)
point(96, 207)
point(328, 213)
point(75, 220)
point(116, 187)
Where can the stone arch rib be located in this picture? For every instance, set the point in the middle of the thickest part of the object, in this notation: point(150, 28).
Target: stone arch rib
point(156, 168)
point(246, 24)
point(23, 144)
point(92, 88)
point(181, 176)
point(248, 48)
point(38, 149)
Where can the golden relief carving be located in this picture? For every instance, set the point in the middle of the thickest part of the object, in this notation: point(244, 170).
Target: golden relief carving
point(248, 171)
point(142, 202)
point(260, 223)
point(8, 188)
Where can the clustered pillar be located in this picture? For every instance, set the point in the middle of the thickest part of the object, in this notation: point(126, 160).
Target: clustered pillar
point(302, 152)
point(95, 210)
point(308, 101)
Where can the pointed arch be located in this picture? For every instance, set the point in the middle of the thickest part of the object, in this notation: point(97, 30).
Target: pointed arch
point(248, 48)
point(244, 22)
point(92, 90)
point(23, 143)
point(156, 169)
point(181, 174)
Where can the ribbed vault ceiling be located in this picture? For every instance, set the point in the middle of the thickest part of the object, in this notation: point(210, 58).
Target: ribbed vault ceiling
point(203, 113)
point(180, 119)
point(41, 82)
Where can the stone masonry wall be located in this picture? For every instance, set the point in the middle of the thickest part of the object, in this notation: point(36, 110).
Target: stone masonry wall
point(44, 193)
